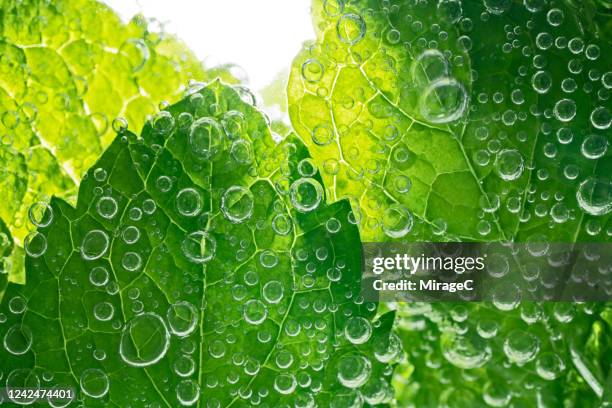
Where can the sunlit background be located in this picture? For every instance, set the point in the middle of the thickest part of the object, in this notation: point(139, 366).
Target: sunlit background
point(261, 36)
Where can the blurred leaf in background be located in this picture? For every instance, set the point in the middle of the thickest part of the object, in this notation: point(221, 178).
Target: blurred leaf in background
point(70, 71)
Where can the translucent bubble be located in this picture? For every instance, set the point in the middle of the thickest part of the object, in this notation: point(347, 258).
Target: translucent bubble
point(144, 340)
point(35, 244)
point(182, 318)
point(541, 82)
point(594, 146)
point(497, 6)
point(130, 235)
point(601, 118)
point(444, 100)
point(549, 366)
point(187, 392)
point(199, 246)
point(94, 383)
point(487, 329)
point(216, 349)
point(306, 194)
point(40, 214)
point(273, 292)
point(23, 378)
point(107, 207)
point(189, 202)
point(18, 339)
point(496, 394)
point(450, 10)
point(397, 221)
point(136, 52)
point(282, 224)
point(312, 70)
point(98, 276)
point(354, 370)
point(465, 351)
point(333, 8)
point(285, 383)
point(237, 204)
point(333, 225)
point(17, 305)
point(509, 164)
point(559, 213)
point(131, 261)
point(322, 134)
point(104, 311)
point(594, 196)
point(94, 245)
point(347, 399)
point(387, 349)
point(184, 366)
point(206, 138)
point(241, 152)
point(351, 28)
point(565, 110)
point(163, 123)
point(255, 312)
point(120, 125)
point(555, 17)
point(357, 330)
point(429, 66)
point(521, 347)
point(233, 124)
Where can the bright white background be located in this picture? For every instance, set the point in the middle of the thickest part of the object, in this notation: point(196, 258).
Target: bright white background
point(261, 36)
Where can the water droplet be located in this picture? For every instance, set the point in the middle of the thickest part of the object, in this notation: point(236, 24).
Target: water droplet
point(521, 347)
point(107, 207)
point(163, 123)
point(206, 138)
point(312, 70)
point(565, 110)
point(104, 311)
point(285, 383)
point(357, 330)
point(35, 244)
point(98, 276)
point(601, 118)
point(131, 261)
point(594, 196)
point(273, 292)
point(18, 339)
point(351, 28)
point(354, 370)
point(444, 100)
point(188, 392)
point(144, 340)
point(450, 10)
point(94, 383)
point(94, 245)
point(397, 221)
point(40, 214)
point(199, 246)
point(182, 318)
point(306, 194)
point(189, 202)
point(255, 312)
point(497, 6)
point(594, 146)
point(509, 164)
point(237, 204)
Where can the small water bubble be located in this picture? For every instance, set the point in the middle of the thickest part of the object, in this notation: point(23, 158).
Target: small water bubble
point(40, 214)
point(594, 147)
point(237, 204)
point(98, 276)
point(565, 110)
point(187, 392)
point(120, 125)
point(255, 312)
point(312, 70)
point(94, 245)
point(182, 318)
point(131, 261)
point(354, 370)
point(521, 347)
point(144, 340)
point(594, 196)
point(107, 207)
point(351, 28)
point(206, 138)
point(444, 100)
point(18, 339)
point(357, 330)
point(397, 221)
point(35, 244)
point(306, 194)
point(163, 123)
point(273, 292)
point(601, 118)
point(189, 202)
point(104, 311)
point(94, 383)
point(199, 246)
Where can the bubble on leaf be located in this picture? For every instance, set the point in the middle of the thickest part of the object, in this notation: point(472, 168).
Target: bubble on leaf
point(351, 28)
point(255, 312)
point(306, 194)
point(206, 138)
point(144, 340)
point(94, 383)
point(237, 204)
point(18, 339)
point(199, 246)
point(94, 245)
point(182, 318)
point(397, 221)
point(594, 196)
point(509, 164)
point(443, 101)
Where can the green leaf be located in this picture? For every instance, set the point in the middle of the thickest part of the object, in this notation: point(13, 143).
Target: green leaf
point(68, 69)
point(193, 270)
point(473, 121)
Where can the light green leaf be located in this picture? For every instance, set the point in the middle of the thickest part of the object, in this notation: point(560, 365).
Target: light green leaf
point(190, 272)
point(68, 69)
point(474, 121)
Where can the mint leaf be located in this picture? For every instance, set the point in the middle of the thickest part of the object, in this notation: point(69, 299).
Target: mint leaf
point(474, 121)
point(68, 69)
point(200, 266)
